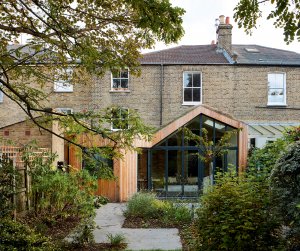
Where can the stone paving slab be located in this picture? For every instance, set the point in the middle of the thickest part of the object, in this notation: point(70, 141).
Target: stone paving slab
point(110, 220)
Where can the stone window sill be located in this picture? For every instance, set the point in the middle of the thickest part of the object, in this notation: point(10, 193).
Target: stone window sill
point(119, 90)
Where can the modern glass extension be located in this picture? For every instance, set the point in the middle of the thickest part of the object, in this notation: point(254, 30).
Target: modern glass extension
point(174, 168)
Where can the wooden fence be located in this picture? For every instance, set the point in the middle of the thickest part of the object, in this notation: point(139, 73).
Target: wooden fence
point(21, 198)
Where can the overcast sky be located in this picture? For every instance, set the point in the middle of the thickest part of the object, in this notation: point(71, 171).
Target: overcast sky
point(199, 25)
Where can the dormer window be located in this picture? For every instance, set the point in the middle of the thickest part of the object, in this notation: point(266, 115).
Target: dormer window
point(276, 89)
point(120, 80)
point(62, 81)
point(252, 50)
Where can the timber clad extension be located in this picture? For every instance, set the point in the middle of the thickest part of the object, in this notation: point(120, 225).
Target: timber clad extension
point(218, 86)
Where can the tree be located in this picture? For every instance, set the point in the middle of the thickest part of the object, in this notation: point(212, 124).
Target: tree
point(285, 190)
point(286, 14)
point(91, 36)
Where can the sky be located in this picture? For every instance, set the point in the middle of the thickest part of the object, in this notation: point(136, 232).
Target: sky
point(199, 25)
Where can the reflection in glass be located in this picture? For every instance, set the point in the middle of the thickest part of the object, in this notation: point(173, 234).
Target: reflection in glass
point(158, 171)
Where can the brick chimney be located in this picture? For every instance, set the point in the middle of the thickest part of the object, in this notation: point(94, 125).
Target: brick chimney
point(224, 34)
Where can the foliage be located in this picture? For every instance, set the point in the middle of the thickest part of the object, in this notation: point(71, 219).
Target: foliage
point(209, 149)
point(84, 232)
point(100, 200)
point(142, 205)
point(117, 241)
point(60, 194)
point(90, 37)
point(235, 214)
point(265, 158)
point(16, 236)
point(9, 183)
point(286, 14)
point(147, 206)
point(292, 134)
point(285, 187)
point(176, 214)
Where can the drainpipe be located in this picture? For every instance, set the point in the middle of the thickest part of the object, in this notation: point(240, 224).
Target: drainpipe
point(161, 93)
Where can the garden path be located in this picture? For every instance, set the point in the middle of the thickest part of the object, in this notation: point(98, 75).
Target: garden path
point(110, 219)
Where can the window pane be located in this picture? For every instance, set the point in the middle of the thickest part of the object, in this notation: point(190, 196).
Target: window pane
point(116, 83)
point(158, 171)
point(196, 80)
point(115, 73)
point(124, 74)
point(279, 81)
point(188, 95)
point(188, 80)
point(196, 94)
point(124, 83)
point(276, 95)
point(276, 80)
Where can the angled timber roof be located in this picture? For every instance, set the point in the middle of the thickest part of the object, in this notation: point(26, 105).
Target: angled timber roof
point(212, 55)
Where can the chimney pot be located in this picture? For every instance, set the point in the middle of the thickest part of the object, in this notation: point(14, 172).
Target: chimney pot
point(227, 20)
point(222, 19)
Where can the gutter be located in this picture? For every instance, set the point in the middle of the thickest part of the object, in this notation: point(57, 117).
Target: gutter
point(161, 93)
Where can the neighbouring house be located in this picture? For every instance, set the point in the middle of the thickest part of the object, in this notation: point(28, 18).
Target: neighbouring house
point(219, 87)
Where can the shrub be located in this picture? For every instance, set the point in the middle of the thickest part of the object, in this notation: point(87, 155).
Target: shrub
point(100, 200)
point(19, 237)
point(9, 180)
point(60, 194)
point(285, 187)
point(143, 205)
point(265, 158)
point(177, 214)
point(146, 205)
point(83, 234)
point(235, 215)
point(117, 241)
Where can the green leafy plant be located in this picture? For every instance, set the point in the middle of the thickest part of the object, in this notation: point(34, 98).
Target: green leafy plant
point(59, 194)
point(100, 200)
point(176, 214)
point(147, 206)
point(209, 149)
point(117, 241)
point(142, 205)
point(285, 188)
point(16, 236)
point(84, 232)
point(235, 214)
point(9, 183)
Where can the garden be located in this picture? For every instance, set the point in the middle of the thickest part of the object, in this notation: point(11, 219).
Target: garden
point(255, 210)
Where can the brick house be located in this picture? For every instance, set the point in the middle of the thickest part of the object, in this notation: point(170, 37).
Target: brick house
point(219, 87)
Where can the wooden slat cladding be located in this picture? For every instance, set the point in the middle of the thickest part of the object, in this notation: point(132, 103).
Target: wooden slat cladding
point(125, 169)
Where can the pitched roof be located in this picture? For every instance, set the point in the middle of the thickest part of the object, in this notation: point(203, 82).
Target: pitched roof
point(210, 54)
point(186, 54)
point(261, 55)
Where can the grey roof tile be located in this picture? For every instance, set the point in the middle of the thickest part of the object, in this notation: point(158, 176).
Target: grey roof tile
point(209, 54)
point(186, 54)
point(261, 55)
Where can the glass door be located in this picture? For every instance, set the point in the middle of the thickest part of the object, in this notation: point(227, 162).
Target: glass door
point(191, 169)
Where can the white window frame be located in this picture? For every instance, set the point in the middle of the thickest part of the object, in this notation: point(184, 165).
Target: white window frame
point(1, 94)
point(118, 129)
point(283, 103)
point(64, 110)
point(64, 85)
point(183, 88)
point(120, 78)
